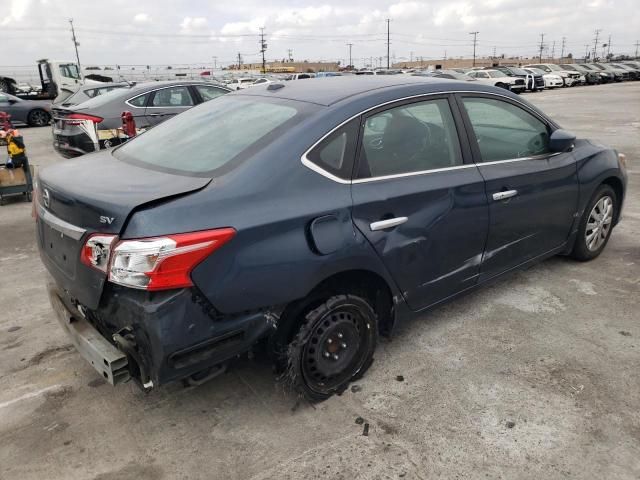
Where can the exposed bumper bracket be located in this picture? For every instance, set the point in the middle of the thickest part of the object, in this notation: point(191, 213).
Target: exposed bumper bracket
point(110, 362)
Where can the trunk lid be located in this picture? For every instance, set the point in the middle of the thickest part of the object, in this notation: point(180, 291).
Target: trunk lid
point(94, 194)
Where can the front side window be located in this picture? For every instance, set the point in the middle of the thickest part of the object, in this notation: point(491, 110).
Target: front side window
point(172, 97)
point(504, 131)
point(411, 138)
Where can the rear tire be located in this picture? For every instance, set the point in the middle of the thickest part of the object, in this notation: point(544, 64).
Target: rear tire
point(596, 224)
point(334, 345)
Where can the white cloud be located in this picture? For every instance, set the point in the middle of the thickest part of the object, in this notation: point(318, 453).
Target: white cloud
point(142, 18)
point(191, 24)
point(16, 11)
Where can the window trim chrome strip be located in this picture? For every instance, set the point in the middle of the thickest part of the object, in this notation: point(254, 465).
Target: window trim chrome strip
point(60, 225)
point(304, 159)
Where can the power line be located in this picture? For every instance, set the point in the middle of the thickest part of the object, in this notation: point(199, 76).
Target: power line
point(475, 41)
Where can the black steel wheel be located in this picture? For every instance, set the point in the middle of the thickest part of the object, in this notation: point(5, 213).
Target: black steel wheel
point(38, 118)
point(335, 344)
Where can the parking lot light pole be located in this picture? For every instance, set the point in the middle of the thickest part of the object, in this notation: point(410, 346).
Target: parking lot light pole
point(75, 45)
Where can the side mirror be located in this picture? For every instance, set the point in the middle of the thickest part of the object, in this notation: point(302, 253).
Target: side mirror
point(561, 141)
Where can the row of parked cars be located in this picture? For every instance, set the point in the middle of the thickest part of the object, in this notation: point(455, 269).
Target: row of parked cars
point(535, 77)
point(90, 119)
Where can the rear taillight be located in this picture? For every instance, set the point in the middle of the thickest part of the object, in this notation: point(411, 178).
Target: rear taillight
point(96, 251)
point(162, 263)
point(78, 118)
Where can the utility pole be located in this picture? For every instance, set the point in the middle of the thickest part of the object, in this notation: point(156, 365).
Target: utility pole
point(553, 50)
point(350, 60)
point(215, 62)
point(636, 55)
point(263, 48)
point(564, 42)
point(239, 60)
point(595, 46)
point(388, 42)
point(494, 52)
point(290, 54)
point(445, 55)
point(608, 48)
point(586, 52)
point(475, 38)
point(541, 47)
point(75, 45)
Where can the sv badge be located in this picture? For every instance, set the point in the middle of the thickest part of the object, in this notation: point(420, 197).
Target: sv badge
point(107, 220)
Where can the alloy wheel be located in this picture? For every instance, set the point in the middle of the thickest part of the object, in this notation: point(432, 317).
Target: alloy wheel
point(599, 223)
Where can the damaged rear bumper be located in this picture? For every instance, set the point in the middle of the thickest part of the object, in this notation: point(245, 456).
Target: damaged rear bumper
point(156, 338)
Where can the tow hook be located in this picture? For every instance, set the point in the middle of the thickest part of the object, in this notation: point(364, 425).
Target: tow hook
point(125, 340)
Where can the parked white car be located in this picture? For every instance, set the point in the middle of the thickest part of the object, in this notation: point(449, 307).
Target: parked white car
point(498, 79)
point(570, 78)
point(299, 76)
point(551, 80)
point(260, 81)
point(240, 83)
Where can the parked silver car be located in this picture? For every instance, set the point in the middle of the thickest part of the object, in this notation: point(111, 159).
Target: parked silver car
point(35, 113)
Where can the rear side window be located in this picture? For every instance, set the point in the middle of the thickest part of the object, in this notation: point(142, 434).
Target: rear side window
point(140, 101)
point(213, 136)
point(207, 92)
point(335, 153)
point(411, 138)
point(172, 97)
point(504, 131)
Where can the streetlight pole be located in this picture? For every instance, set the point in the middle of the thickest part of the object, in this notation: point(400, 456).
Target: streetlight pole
point(75, 45)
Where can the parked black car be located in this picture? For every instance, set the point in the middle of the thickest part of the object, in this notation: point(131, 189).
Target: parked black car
point(602, 75)
point(590, 77)
point(312, 216)
point(534, 82)
point(93, 124)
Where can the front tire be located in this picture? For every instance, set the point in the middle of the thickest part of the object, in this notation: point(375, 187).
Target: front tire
point(335, 345)
point(596, 224)
point(38, 118)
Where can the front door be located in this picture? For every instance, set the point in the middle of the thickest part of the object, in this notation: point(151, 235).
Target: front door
point(419, 204)
point(532, 193)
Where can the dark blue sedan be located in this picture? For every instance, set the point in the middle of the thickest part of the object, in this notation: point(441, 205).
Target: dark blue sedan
point(309, 217)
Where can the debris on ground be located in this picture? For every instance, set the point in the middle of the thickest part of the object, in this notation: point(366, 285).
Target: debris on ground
point(365, 430)
point(356, 388)
point(624, 333)
point(359, 421)
point(510, 424)
point(400, 378)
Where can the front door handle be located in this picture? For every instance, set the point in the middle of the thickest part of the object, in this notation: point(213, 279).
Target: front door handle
point(504, 195)
point(388, 223)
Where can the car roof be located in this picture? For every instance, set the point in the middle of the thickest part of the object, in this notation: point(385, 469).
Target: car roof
point(328, 91)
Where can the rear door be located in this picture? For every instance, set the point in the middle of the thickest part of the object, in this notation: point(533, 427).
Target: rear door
point(419, 200)
point(532, 193)
point(167, 102)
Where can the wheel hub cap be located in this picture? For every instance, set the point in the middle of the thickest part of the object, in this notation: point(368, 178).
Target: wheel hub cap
point(599, 223)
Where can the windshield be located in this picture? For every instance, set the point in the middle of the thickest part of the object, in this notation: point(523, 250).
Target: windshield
point(536, 71)
point(555, 68)
point(569, 67)
point(517, 71)
point(213, 135)
point(494, 74)
point(70, 70)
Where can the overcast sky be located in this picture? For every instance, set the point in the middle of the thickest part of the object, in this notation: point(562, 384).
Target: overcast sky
point(138, 32)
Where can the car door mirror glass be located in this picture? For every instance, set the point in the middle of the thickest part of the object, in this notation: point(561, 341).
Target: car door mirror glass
point(561, 141)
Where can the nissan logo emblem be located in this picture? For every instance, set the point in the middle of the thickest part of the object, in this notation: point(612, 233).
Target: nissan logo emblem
point(46, 199)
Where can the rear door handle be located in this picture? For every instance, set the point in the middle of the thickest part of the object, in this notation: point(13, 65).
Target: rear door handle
point(388, 223)
point(504, 195)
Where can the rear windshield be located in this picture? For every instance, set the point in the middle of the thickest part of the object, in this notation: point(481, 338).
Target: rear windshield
point(215, 135)
point(100, 100)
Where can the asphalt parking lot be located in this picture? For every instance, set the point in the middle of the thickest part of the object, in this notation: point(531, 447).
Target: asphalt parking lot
point(534, 377)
